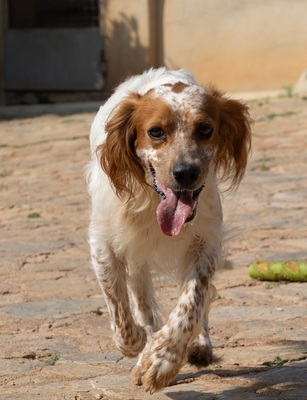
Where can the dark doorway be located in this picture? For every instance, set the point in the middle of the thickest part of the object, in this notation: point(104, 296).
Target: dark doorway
point(53, 45)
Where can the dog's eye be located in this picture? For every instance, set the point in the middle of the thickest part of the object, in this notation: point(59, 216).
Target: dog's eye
point(204, 131)
point(156, 133)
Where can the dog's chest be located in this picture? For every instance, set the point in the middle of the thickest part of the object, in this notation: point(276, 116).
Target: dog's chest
point(159, 252)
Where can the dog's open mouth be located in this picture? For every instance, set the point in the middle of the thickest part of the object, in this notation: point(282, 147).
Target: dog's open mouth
point(176, 207)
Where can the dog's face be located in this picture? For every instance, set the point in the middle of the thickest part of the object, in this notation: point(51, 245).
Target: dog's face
point(168, 139)
point(174, 137)
point(174, 141)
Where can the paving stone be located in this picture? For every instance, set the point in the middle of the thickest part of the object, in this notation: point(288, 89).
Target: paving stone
point(52, 307)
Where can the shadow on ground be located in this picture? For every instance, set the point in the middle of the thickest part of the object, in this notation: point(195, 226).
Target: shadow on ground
point(282, 382)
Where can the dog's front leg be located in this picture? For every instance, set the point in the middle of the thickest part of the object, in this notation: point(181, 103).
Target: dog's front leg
point(129, 337)
point(165, 354)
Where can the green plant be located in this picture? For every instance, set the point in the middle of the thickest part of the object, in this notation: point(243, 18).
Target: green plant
point(278, 361)
point(263, 102)
point(288, 89)
point(34, 215)
point(218, 296)
point(4, 173)
point(272, 116)
point(263, 164)
point(53, 359)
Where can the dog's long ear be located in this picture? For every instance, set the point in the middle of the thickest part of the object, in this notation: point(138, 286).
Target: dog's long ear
point(117, 154)
point(233, 136)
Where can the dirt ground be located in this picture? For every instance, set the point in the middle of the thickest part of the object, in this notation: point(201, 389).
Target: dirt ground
point(55, 339)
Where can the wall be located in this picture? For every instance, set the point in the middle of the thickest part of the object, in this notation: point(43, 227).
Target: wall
point(126, 38)
point(238, 44)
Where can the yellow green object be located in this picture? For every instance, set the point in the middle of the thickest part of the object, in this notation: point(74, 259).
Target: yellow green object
point(295, 271)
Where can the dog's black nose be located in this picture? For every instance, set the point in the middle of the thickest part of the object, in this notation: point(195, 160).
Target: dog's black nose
point(186, 174)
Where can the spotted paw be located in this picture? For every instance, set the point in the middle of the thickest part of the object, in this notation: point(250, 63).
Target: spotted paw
point(159, 373)
point(160, 363)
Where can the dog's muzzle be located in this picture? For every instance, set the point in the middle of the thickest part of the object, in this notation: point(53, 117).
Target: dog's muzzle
point(176, 207)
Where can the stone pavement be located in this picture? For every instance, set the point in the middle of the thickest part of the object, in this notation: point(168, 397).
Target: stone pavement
point(55, 340)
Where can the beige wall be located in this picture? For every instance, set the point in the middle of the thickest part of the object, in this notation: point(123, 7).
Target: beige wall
point(238, 44)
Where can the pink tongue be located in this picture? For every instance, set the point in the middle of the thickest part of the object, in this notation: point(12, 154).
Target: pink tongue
point(173, 211)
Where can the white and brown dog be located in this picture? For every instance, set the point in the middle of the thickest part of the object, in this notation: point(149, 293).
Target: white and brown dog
point(158, 145)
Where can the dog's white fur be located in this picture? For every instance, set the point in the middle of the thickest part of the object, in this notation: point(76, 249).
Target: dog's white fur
point(125, 238)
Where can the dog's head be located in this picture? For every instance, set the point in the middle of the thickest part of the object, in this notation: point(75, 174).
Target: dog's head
point(168, 139)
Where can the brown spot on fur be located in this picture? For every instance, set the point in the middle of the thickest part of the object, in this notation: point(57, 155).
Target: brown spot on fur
point(153, 112)
point(177, 87)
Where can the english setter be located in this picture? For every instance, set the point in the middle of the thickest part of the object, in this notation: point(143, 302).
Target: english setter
point(159, 145)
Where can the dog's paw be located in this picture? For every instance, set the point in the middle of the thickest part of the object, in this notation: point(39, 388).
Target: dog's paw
point(131, 344)
point(160, 364)
point(136, 375)
point(200, 356)
point(200, 353)
point(159, 373)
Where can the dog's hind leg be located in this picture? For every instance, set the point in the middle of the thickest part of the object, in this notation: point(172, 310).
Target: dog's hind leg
point(200, 350)
point(146, 309)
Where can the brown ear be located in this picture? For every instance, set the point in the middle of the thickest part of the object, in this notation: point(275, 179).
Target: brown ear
point(117, 154)
point(233, 137)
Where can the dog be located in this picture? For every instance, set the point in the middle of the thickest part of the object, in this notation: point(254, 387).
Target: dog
point(160, 145)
